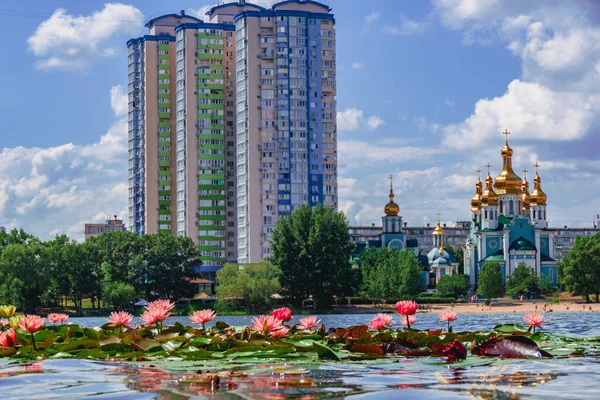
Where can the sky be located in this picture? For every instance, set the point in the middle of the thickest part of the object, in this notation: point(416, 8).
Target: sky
point(425, 89)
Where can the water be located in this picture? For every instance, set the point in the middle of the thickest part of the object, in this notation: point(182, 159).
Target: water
point(417, 378)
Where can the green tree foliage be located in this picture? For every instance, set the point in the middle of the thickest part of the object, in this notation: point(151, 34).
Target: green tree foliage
point(35, 273)
point(453, 286)
point(579, 269)
point(389, 273)
point(252, 284)
point(312, 249)
point(489, 281)
point(118, 294)
point(459, 254)
point(522, 281)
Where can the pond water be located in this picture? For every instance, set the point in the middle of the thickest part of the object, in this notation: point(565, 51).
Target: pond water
point(406, 378)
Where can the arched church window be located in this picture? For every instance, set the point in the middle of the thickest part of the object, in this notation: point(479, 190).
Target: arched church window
point(486, 215)
point(501, 207)
point(511, 207)
point(534, 214)
point(544, 214)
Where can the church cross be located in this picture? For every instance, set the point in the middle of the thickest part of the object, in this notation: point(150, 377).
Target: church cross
point(488, 165)
point(536, 165)
point(391, 180)
point(478, 170)
point(438, 215)
point(506, 133)
point(525, 171)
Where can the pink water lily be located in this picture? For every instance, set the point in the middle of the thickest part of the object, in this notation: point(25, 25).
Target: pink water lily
point(380, 321)
point(202, 316)
point(407, 308)
point(448, 316)
point(154, 315)
point(8, 338)
point(308, 323)
point(31, 324)
point(534, 320)
point(165, 305)
point(279, 333)
point(55, 318)
point(266, 324)
point(283, 314)
point(121, 318)
point(408, 321)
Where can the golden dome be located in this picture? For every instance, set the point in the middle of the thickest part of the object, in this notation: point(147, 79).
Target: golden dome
point(525, 199)
point(438, 229)
point(538, 197)
point(391, 209)
point(489, 197)
point(508, 181)
point(476, 200)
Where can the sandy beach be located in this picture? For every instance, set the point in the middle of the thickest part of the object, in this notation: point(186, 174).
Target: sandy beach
point(505, 305)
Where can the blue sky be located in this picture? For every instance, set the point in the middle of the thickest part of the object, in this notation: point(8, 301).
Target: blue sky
point(424, 90)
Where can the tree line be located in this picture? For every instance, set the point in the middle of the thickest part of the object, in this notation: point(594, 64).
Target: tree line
point(112, 269)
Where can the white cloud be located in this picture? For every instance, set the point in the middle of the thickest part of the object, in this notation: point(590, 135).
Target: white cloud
point(373, 122)
point(353, 119)
point(359, 154)
point(65, 41)
point(407, 27)
point(530, 111)
point(118, 100)
point(54, 190)
point(357, 65)
point(374, 16)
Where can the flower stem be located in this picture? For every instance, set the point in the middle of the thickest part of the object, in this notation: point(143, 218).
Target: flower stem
point(203, 328)
point(33, 342)
point(448, 326)
point(408, 322)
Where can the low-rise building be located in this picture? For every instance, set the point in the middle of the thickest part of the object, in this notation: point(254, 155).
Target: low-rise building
point(111, 225)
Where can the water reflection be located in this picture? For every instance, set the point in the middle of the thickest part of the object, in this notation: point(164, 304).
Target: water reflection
point(71, 379)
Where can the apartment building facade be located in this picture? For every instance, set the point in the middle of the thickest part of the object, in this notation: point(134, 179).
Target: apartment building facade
point(208, 157)
point(286, 124)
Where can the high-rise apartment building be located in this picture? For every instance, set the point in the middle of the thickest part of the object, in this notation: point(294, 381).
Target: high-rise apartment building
point(231, 124)
point(286, 122)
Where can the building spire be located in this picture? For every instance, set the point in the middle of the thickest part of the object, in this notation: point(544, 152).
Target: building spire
point(391, 209)
point(506, 133)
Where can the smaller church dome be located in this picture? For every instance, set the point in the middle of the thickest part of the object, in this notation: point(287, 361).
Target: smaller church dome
point(538, 197)
point(438, 229)
point(391, 209)
point(489, 197)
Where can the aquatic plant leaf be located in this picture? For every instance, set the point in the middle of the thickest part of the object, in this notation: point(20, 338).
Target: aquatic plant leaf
point(171, 345)
point(366, 348)
point(509, 328)
point(81, 343)
point(44, 334)
point(91, 333)
point(117, 348)
point(220, 325)
point(326, 353)
point(510, 346)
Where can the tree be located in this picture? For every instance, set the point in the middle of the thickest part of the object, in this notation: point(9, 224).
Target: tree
point(489, 281)
point(252, 283)
point(579, 269)
point(312, 249)
point(390, 274)
point(522, 281)
point(453, 286)
point(118, 294)
point(459, 254)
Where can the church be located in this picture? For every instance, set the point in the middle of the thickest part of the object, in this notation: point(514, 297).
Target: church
point(510, 224)
point(439, 261)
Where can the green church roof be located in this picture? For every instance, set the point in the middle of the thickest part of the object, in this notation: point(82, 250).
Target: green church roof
point(545, 258)
point(497, 256)
point(521, 244)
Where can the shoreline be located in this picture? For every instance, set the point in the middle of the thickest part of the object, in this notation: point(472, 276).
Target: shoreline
point(478, 308)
